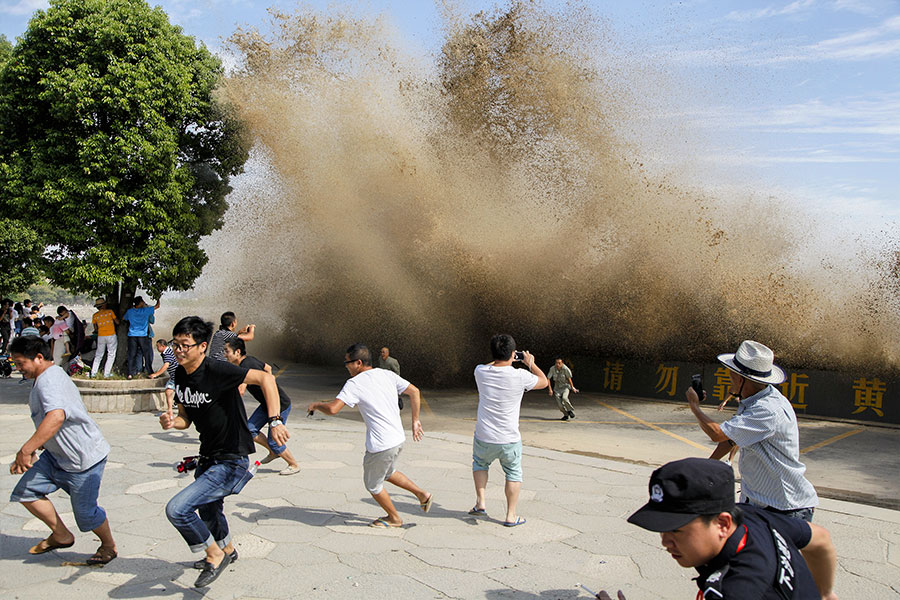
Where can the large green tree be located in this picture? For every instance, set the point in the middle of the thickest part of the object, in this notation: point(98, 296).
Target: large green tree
point(20, 257)
point(114, 146)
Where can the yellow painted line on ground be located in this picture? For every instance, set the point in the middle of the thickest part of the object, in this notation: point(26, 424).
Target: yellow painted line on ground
point(831, 440)
point(425, 408)
point(654, 427)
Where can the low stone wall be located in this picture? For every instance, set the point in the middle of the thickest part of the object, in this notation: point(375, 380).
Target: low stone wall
point(122, 395)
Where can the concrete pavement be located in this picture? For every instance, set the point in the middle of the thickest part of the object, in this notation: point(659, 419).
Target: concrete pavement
point(306, 535)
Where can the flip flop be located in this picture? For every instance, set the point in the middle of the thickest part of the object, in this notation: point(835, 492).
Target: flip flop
point(102, 556)
point(518, 521)
point(478, 511)
point(47, 545)
point(426, 506)
point(382, 523)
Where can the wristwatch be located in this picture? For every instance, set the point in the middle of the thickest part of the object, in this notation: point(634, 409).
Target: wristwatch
point(275, 421)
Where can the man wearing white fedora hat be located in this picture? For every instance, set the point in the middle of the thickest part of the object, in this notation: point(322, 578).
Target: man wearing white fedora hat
point(765, 430)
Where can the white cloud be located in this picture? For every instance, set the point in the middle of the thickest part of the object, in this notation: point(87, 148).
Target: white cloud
point(862, 7)
point(872, 115)
point(881, 41)
point(23, 7)
point(770, 11)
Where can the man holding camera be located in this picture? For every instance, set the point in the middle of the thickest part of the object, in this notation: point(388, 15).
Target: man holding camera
point(765, 430)
point(497, 437)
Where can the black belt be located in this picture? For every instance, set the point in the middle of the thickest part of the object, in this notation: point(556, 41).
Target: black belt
point(222, 457)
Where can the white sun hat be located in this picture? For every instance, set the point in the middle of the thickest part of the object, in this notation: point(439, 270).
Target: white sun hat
point(755, 362)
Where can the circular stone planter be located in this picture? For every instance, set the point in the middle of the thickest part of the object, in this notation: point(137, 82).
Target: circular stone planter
point(122, 395)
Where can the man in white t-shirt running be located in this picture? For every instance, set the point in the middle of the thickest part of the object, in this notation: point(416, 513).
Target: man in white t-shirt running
point(500, 390)
point(375, 392)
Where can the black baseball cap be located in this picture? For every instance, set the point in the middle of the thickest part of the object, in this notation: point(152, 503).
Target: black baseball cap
point(682, 490)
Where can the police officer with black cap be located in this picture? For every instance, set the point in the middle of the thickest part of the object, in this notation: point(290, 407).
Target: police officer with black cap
point(739, 552)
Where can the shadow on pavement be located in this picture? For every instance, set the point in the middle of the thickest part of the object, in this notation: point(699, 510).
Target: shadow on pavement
point(544, 595)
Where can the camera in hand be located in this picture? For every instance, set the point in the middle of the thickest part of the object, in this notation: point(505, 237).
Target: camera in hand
point(697, 384)
point(519, 355)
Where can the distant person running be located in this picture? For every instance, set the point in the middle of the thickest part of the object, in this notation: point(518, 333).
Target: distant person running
point(73, 458)
point(170, 363)
point(500, 390)
point(560, 377)
point(236, 354)
point(375, 391)
point(226, 331)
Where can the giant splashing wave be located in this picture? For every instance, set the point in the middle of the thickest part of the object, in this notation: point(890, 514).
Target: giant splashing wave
point(429, 202)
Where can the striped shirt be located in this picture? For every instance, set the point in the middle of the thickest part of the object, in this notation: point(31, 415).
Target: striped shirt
point(172, 363)
point(765, 429)
point(217, 345)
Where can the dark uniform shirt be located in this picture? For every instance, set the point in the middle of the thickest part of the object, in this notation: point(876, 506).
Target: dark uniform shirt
point(760, 561)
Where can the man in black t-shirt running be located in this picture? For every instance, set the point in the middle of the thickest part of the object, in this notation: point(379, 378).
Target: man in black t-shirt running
point(207, 395)
point(236, 354)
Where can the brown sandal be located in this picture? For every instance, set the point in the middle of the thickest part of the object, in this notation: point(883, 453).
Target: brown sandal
point(102, 556)
point(47, 545)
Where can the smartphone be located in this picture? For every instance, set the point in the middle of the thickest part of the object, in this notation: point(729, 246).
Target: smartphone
point(697, 384)
point(519, 355)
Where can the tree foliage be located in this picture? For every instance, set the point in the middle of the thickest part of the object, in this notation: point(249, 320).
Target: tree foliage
point(20, 254)
point(5, 49)
point(114, 146)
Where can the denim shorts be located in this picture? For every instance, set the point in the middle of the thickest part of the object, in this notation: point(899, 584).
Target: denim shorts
point(378, 466)
point(258, 420)
point(46, 476)
point(509, 455)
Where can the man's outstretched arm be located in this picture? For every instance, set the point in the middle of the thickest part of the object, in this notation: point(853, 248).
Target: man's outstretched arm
point(821, 558)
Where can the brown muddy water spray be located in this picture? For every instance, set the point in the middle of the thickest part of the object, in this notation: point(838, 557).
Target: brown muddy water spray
point(426, 203)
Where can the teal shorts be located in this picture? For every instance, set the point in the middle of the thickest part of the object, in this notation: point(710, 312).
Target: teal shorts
point(509, 455)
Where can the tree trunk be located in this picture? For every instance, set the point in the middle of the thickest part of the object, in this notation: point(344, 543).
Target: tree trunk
point(120, 300)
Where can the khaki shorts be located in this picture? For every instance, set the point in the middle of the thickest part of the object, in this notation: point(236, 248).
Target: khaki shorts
point(378, 466)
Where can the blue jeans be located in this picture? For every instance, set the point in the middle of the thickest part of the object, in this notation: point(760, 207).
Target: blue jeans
point(45, 477)
point(259, 418)
point(213, 480)
point(139, 355)
point(805, 514)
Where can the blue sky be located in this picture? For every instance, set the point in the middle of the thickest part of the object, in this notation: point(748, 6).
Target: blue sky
point(797, 99)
